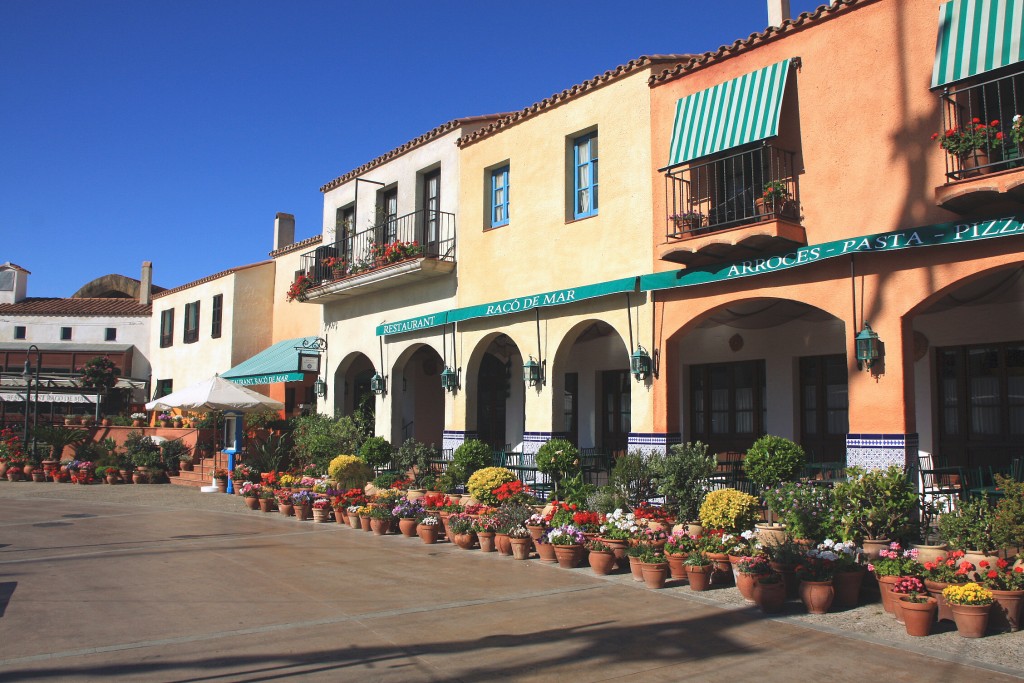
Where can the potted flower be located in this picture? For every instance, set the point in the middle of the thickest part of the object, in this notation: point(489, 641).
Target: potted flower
point(943, 571)
point(815, 575)
point(687, 222)
point(1006, 581)
point(138, 419)
point(975, 144)
point(568, 541)
point(600, 557)
point(917, 606)
point(848, 571)
point(266, 499)
point(427, 528)
point(654, 568)
point(522, 542)
point(164, 419)
point(774, 200)
point(970, 527)
point(677, 548)
point(729, 510)
point(748, 570)
point(698, 571)
point(770, 593)
point(486, 528)
point(875, 506)
point(408, 512)
point(971, 605)
point(460, 526)
point(251, 493)
point(892, 564)
point(298, 289)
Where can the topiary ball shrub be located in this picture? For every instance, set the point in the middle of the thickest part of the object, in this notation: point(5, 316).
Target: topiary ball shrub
point(730, 510)
point(376, 451)
point(349, 471)
point(772, 460)
point(558, 458)
point(469, 457)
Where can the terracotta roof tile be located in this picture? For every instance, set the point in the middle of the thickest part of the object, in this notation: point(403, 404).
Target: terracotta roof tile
point(86, 307)
point(805, 20)
point(568, 94)
point(209, 278)
point(398, 151)
point(296, 245)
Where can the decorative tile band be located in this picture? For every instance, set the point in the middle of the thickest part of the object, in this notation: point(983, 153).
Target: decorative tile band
point(451, 439)
point(652, 441)
point(877, 451)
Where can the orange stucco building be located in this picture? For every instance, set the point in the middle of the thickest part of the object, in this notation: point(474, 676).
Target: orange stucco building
point(805, 199)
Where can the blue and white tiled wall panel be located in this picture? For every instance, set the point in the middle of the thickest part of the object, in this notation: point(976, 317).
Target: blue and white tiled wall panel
point(878, 451)
point(451, 440)
point(641, 441)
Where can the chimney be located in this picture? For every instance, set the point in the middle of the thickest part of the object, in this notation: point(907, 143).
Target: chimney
point(778, 12)
point(146, 284)
point(284, 230)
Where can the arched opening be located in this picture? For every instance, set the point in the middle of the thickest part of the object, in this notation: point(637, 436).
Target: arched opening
point(763, 366)
point(352, 385)
point(968, 345)
point(592, 388)
point(418, 397)
point(499, 394)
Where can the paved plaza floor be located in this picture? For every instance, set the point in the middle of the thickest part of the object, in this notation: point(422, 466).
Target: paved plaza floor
point(161, 583)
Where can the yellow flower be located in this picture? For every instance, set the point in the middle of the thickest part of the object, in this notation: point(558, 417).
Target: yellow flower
point(967, 594)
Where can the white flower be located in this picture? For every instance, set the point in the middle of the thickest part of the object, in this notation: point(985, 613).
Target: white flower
point(828, 555)
point(828, 543)
point(747, 535)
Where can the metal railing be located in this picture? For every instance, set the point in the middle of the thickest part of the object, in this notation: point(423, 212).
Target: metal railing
point(730, 191)
point(421, 234)
point(991, 104)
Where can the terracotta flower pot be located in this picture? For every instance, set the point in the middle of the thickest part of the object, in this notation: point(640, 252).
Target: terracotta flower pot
point(918, 617)
point(1006, 610)
point(521, 548)
point(699, 577)
point(252, 502)
point(535, 531)
point(655, 574)
point(286, 509)
point(321, 515)
point(935, 590)
point(618, 549)
point(303, 512)
point(770, 597)
point(817, 596)
point(503, 545)
point(847, 585)
point(569, 556)
point(676, 568)
point(545, 552)
point(379, 527)
point(464, 541)
point(635, 569)
point(885, 584)
point(602, 562)
point(745, 584)
point(340, 517)
point(971, 620)
point(486, 539)
point(789, 580)
point(874, 546)
point(266, 504)
point(407, 525)
point(427, 533)
point(354, 521)
point(365, 523)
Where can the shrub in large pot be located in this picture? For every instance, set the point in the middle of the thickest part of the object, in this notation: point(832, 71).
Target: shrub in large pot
point(683, 478)
point(560, 460)
point(470, 456)
point(349, 471)
point(413, 459)
point(874, 504)
point(971, 528)
point(773, 460)
point(729, 510)
point(376, 452)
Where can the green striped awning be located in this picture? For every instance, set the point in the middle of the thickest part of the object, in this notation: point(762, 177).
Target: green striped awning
point(277, 363)
point(745, 109)
point(976, 36)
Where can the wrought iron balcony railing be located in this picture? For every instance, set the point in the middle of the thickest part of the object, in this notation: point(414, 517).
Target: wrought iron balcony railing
point(978, 127)
point(745, 187)
point(421, 234)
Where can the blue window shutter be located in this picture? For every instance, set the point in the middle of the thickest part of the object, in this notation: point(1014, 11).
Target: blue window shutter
point(585, 160)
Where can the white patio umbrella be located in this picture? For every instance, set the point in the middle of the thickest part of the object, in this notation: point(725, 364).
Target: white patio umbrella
point(215, 393)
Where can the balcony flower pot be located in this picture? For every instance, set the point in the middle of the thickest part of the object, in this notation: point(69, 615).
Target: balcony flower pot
point(918, 617)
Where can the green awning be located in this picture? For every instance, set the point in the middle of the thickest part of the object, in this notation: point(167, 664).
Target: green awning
point(976, 36)
point(730, 114)
point(277, 363)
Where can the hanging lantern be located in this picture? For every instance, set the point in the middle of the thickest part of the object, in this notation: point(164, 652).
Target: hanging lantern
point(533, 372)
point(378, 384)
point(449, 379)
point(640, 364)
point(869, 347)
point(320, 387)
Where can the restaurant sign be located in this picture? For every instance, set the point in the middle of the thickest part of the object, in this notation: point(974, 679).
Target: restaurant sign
point(927, 236)
point(273, 378)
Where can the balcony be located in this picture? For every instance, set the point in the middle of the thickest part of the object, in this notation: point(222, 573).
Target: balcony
point(394, 252)
point(984, 161)
point(735, 206)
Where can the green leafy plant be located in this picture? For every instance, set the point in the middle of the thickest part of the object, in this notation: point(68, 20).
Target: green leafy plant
point(349, 471)
point(260, 419)
point(773, 459)
point(966, 138)
point(413, 459)
point(635, 476)
point(269, 453)
point(1008, 518)
point(173, 452)
point(377, 452)
point(141, 450)
point(805, 509)
point(558, 459)
point(970, 526)
point(470, 456)
point(683, 477)
point(874, 504)
point(59, 437)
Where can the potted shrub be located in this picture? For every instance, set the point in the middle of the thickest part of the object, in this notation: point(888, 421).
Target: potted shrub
point(483, 482)
point(773, 460)
point(698, 571)
point(559, 459)
point(875, 506)
point(470, 456)
point(376, 452)
point(683, 477)
point(349, 471)
point(892, 564)
point(413, 458)
point(729, 510)
point(815, 575)
point(970, 527)
point(805, 509)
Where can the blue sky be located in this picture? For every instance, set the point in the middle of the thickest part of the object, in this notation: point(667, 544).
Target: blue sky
point(174, 130)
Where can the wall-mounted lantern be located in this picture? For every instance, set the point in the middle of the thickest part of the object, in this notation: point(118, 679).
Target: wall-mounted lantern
point(449, 379)
point(533, 372)
point(869, 347)
point(379, 384)
point(640, 364)
point(320, 387)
